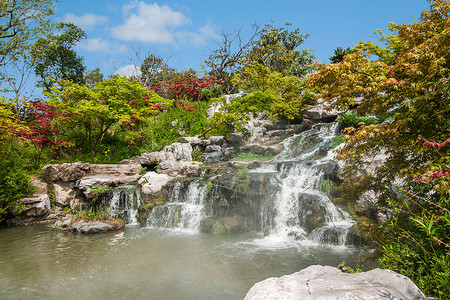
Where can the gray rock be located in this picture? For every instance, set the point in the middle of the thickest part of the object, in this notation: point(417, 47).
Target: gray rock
point(95, 227)
point(37, 207)
point(63, 194)
point(152, 183)
point(193, 140)
point(322, 282)
point(217, 140)
point(321, 112)
point(212, 157)
point(213, 148)
point(87, 184)
point(65, 172)
point(181, 151)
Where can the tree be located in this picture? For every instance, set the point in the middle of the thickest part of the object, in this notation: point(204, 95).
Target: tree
point(155, 70)
point(278, 49)
point(93, 77)
point(339, 54)
point(408, 86)
point(226, 61)
point(21, 22)
point(90, 112)
point(54, 58)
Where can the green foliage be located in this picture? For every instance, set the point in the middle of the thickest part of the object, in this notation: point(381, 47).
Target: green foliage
point(92, 213)
point(245, 156)
point(22, 22)
point(353, 120)
point(347, 269)
point(409, 81)
point(326, 186)
point(54, 59)
point(278, 49)
point(14, 178)
point(339, 54)
point(337, 140)
point(91, 113)
point(416, 241)
point(93, 77)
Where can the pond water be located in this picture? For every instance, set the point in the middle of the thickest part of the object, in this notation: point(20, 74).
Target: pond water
point(148, 263)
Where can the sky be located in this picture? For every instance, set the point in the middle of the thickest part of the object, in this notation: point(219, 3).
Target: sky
point(121, 33)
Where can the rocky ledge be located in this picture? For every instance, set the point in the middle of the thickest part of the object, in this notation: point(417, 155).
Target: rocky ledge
point(323, 282)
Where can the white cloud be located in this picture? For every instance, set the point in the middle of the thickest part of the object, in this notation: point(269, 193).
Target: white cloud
point(128, 71)
point(99, 45)
point(149, 23)
point(86, 21)
point(198, 39)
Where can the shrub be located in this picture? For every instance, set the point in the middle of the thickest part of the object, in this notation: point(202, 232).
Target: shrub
point(352, 120)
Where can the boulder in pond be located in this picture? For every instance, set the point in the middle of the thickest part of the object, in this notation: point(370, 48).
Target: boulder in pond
point(324, 282)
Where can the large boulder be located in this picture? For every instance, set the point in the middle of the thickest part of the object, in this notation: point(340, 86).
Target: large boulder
point(323, 282)
point(36, 207)
point(181, 151)
point(63, 194)
point(152, 183)
point(70, 172)
point(88, 184)
point(65, 172)
point(321, 112)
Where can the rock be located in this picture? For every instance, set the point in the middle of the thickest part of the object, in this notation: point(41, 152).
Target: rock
point(235, 139)
point(181, 151)
point(63, 194)
point(151, 158)
point(213, 148)
point(37, 207)
point(65, 172)
point(118, 170)
point(212, 157)
point(70, 172)
point(89, 227)
point(281, 133)
point(152, 183)
point(215, 225)
point(321, 112)
point(193, 140)
point(217, 140)
point(180, 168)
point(323, 282)
point(87, 184)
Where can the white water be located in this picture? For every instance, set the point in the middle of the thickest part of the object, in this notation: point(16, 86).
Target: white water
point(287, 213)
point(125, 202)
point(181, 212)
point(297, 181)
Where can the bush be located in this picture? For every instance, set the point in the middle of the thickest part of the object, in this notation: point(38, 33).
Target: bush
point(14, 178)
point(416, 240)
point(352, 120)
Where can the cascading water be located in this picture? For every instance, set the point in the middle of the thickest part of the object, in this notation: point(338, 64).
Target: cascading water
point(181, 211)
point(299, 210)
point(292, 209)
point(124, 203)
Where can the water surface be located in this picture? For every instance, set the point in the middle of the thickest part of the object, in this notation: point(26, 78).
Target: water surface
point(145, 263)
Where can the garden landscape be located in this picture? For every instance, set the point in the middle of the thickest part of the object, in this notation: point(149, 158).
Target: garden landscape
point(260, 174)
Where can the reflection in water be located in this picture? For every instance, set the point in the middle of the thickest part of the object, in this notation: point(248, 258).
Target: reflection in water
point(143, 263)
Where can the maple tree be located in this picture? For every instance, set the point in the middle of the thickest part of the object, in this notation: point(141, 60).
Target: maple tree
point(405, 82)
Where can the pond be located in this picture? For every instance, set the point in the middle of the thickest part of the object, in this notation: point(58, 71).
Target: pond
point(149, 263)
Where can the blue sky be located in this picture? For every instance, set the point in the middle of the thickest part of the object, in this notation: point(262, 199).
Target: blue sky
point(120, 33)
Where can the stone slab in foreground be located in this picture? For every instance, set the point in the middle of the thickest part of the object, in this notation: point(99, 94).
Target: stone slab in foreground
point(322, 282)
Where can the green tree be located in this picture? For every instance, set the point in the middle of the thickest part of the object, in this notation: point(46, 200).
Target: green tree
point(53, 56)
point(91, 112)
point(409, 85)
point(93, 77)
point(21, 22)
point(339, 54)
point(278, 49)
point(155, 70)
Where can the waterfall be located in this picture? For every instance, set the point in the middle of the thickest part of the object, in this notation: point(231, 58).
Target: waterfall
point(291, 209)
point(298, 210)
point(182, 211)
point(124, 203)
